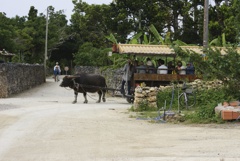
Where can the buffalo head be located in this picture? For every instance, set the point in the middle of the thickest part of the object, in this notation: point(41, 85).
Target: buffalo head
point(67, 81)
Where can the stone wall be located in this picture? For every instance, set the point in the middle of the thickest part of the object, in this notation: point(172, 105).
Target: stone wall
point(147, 95)
point(113, 76)
point(15, 78)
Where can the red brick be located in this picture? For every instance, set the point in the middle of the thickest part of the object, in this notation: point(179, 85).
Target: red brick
point(235, 115)
point(227, 115)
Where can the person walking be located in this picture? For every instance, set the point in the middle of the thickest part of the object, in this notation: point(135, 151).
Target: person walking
point(56, 72)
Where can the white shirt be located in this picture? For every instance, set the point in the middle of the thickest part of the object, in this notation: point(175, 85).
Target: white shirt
point(163, 69)
point(182, 71)
point(58, 68)
point(149, 63)
point(127, 73)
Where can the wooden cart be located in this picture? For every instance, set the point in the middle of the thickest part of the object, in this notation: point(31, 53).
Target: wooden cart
point(150, 51)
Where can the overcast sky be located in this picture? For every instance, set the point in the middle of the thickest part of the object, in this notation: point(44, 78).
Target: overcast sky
point(22, 7)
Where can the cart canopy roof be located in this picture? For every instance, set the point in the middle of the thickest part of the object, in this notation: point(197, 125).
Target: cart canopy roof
point(160, 50)
point(147, 50)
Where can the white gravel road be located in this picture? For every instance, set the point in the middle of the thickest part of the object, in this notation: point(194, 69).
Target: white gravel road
point(42, 124)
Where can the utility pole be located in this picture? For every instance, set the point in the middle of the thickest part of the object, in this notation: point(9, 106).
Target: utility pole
point(205, 28)
point(139, 23)
point(46, 43)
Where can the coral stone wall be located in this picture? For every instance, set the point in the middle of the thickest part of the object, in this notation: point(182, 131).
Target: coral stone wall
point(147, 95)
point(113, 76)
point(15, 78)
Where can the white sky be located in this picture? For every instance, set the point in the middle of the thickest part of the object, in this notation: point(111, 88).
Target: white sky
point(22, 7)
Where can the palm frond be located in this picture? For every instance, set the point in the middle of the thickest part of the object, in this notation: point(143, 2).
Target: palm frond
point(112, 38)
point(145, 39)
point(179, 43)
point(156, 34)
point(224, 40)
point(135, 38)
point(215, 42)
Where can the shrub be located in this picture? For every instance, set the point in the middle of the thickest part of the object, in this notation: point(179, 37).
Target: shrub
point(204, 110)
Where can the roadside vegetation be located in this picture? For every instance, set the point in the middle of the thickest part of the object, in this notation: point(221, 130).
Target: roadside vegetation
point(213, 66)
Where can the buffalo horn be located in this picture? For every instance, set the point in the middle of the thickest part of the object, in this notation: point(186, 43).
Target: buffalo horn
point(71, 76)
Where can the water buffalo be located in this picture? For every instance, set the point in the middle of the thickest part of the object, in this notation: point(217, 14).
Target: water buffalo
point(83, 83)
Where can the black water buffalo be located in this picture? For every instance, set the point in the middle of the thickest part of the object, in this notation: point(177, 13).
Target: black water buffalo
point(83, 83)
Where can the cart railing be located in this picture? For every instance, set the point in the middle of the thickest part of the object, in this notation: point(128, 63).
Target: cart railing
point(161, 79)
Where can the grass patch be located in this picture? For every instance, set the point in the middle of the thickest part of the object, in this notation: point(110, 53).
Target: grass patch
point(202, 113)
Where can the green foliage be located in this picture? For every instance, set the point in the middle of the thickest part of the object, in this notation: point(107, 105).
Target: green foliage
point(91, 56)
point(164, 96)
point(145, 112)
point(135, 39)
point(224, 68)
point(207, 101)
point(112, 38)
point(203, 112)
point(156, 34)
point(7, 33)
point(158, 21)
point(223, 20)
point(144, 106)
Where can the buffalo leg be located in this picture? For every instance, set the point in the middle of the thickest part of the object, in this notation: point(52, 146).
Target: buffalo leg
point(99, 96)
point(75, 95)
point(85, 97)
point(103, 96)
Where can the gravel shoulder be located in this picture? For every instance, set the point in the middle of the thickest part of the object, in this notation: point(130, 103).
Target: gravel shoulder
point(42, 124)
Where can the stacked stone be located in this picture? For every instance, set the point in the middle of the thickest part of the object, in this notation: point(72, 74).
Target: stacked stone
point(199, 84)
point(16, 77)
point(113, 76)
point(204, 85)
point(146, 95)
point(3, 84)
point(87, 69)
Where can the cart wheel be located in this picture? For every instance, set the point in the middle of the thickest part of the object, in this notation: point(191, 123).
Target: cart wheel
point(130, 99)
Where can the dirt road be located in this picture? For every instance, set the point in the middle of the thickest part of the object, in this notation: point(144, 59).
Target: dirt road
point(42, 124)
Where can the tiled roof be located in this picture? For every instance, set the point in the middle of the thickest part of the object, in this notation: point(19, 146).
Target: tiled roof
point(196, 49)
point(199, 49)
point(140, 49)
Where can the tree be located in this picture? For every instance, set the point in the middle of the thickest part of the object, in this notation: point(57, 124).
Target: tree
point(31, 32)
point(224, 21)
point(35, 30)
point(7, 33)
point(89, 23)
point(88, 55)
point(131, 17)
point(217, 66)
point(57, 30)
